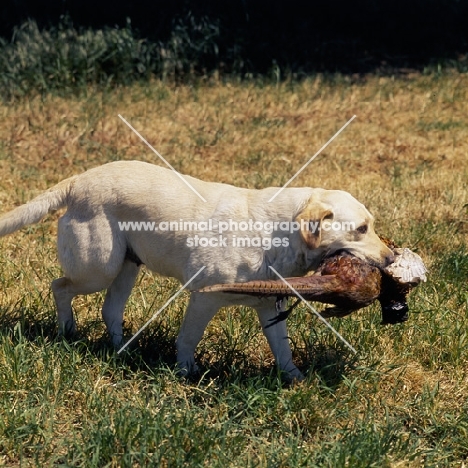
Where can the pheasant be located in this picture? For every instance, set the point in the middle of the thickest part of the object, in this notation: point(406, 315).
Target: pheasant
point(347, 282)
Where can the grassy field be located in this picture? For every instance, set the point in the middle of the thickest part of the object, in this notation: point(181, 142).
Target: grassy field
point(401, 402)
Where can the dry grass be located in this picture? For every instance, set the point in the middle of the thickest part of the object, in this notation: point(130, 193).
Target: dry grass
point(404, 156)
point(252, 134)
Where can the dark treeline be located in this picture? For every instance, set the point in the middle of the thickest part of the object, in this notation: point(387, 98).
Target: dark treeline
point(259, 35)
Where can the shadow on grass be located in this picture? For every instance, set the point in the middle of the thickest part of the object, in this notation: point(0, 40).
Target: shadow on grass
point(155, 349)
point(330, 364)
point(33, 323)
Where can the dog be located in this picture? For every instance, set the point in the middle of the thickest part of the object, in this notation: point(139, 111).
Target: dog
point(99, 247)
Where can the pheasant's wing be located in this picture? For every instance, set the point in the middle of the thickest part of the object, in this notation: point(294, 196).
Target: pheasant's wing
point(336, 311)
point(408, 267)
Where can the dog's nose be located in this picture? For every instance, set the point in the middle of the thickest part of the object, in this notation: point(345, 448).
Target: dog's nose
point(389, 259)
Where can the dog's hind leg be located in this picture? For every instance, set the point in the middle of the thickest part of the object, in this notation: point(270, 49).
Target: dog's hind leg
point(63, 299)
point(92, 255)
point(116, 298)
point(64, 290)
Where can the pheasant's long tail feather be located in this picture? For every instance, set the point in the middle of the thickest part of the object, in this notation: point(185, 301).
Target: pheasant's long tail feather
point(309, 287)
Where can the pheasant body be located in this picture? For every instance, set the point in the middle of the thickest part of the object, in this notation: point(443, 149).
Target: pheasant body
point(346, 282)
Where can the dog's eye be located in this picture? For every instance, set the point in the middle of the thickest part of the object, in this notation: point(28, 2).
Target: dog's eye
point(362, 229)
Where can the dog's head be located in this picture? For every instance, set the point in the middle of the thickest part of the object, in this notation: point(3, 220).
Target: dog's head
point(334, 220)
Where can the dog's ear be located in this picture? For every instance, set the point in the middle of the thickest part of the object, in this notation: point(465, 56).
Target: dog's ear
point(310, 220)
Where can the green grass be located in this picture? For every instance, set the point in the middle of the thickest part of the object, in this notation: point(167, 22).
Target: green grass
point(77, 404)
point(400, 402)
point(65, 60)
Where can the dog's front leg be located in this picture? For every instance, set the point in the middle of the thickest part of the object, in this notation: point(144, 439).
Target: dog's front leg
point(201, 309)
point(277, 336)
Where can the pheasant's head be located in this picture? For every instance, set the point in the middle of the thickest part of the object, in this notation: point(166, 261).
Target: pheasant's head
point(406, 272)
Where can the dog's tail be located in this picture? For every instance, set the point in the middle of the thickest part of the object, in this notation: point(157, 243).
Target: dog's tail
point(53, 199)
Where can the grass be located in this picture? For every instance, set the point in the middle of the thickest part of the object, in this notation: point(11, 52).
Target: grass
point(401, 402)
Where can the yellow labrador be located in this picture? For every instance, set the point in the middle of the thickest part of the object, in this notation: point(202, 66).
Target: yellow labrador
point(124, 214)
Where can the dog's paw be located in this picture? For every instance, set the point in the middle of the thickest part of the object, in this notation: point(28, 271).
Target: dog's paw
point(292, 376)
point(67, 329)
point(187, 369)
point(118, 342)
